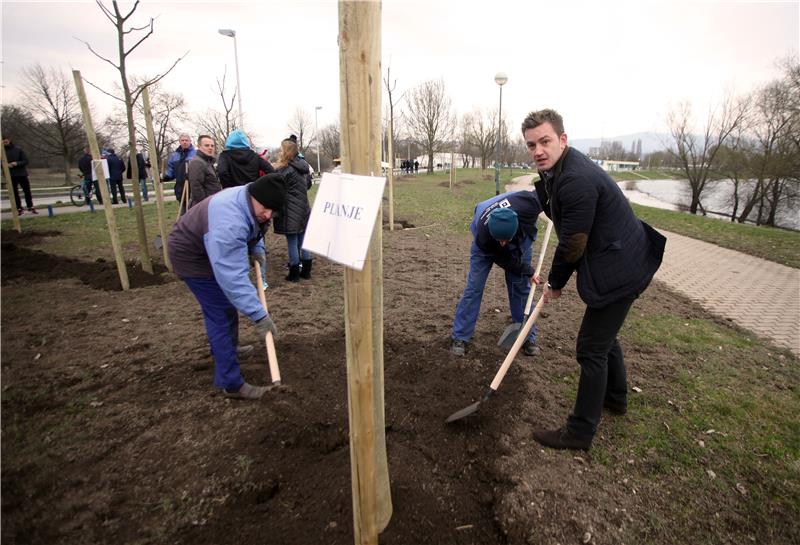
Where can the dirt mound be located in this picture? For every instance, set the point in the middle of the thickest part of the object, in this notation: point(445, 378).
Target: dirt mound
point(21, 263)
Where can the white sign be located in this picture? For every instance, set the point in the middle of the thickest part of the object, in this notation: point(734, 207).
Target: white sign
point(343, 217)
point(105, 169)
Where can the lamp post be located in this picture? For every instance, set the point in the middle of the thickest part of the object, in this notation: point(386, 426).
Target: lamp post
point(500, 79)
point(232, 34)
point(316, 135)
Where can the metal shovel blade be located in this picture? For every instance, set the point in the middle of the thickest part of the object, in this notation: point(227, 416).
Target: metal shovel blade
point(509, 336)
point(466, 411)
point(157, 242)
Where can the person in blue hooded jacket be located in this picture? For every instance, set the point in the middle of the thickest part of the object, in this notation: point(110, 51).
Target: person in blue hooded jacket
point(504, 228)
point(239, 164)
point(208, 247)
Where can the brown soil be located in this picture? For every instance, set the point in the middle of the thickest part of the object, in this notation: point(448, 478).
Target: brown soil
point(113, 433)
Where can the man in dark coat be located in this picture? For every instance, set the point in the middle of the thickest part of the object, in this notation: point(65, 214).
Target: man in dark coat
point(142, 167)
point(18, 167)
point(615, 255)
point(504, 228)
point(116, 168)
point(85, 166)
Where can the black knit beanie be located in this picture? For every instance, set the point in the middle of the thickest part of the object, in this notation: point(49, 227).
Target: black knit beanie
point(269, 190)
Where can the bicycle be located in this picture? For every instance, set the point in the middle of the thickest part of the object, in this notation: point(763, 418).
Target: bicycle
point(78, 196)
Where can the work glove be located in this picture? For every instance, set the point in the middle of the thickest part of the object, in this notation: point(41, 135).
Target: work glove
point(265, 325)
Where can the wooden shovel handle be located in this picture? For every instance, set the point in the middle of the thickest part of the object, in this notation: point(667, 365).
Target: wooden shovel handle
point(542, 251)
point(521, 338)
point(272, 356)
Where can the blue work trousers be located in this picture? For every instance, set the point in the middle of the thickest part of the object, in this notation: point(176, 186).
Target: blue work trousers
point(480, 263)
point(222, 327)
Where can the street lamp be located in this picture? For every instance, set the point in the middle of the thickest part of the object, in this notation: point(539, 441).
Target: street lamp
point(316, 135)
point(500, 79)
point(232, 34)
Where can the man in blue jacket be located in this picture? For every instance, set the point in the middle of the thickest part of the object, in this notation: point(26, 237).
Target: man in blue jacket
point(504, 228)
point(615, 255)
point(177, 166)
point(208, 248)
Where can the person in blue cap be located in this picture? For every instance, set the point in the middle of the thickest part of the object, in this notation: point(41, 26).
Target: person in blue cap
point(504, 228)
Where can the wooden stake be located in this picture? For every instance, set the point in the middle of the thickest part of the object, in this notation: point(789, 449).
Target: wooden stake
point(151, 151)
point(10, 191)
point(111, 221)
point(360, 92)
point(272, 356)
point(391, 174)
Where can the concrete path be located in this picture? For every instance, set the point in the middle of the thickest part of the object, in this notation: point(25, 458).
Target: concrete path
point(756, 294)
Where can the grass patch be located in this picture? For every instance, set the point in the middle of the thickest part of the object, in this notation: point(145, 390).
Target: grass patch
point(778, 245)
point(731, 409)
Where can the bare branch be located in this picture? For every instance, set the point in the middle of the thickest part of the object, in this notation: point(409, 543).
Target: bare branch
point(138, 91)
point(137, 44)
point(96, 54)
point(103, 91)
point(106, 12)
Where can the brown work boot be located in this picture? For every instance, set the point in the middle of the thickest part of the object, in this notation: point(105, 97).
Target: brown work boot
point(247, 391)
point(561, 439)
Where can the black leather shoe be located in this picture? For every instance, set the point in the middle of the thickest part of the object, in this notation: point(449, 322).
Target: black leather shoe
point(561, 439)
point(615, 408)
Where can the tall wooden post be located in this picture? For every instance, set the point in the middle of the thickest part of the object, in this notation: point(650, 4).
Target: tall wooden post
point(10, 191)
point(151, 151)
point(391, 174)
point(360, 92)
point(101, 182)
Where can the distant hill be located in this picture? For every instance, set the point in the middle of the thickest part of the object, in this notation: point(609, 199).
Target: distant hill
point(650, 141)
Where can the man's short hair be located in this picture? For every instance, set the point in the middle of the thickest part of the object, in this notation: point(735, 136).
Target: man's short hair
point(184, 135)
point(200, 138)
point(547, 115)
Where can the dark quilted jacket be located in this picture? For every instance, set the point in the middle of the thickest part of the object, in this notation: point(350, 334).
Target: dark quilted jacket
point(621, 253)
point(297, 210)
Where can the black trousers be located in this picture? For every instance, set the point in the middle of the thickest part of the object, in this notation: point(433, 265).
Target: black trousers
point(25, 184)
point(113, 186)
point(603, 374)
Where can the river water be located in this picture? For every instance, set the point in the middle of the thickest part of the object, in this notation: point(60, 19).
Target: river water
point(675, 195)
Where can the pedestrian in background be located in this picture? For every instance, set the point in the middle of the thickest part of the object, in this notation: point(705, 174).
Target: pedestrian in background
point(116, 168)
point(88, 183)
point(142, 166)
point(202, 177)
point(177, 165)
point(18, 167)
point(292, 223)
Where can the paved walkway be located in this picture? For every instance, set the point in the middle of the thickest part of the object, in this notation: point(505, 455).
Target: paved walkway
point(756, 294)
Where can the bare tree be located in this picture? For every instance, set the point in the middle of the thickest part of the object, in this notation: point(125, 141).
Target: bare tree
point(330, 142)
point(129, 99)
point(429, 118)
point(218, 124)
point(300, 125)
point(58, 131)
point(481, 133)
point(697, 153)
point(393, 125)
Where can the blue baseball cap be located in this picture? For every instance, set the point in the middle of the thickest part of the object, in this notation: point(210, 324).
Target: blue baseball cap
point(503, 224)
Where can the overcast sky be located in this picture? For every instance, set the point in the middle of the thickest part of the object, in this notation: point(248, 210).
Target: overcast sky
point(610, 67)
